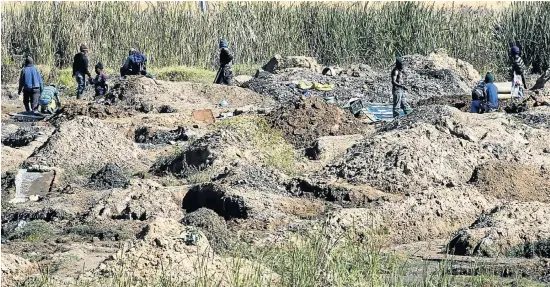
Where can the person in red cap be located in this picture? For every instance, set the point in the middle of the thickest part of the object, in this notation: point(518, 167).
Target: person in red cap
point(80, 70)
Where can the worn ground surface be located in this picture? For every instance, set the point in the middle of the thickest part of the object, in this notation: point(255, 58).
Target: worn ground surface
point(144, 182)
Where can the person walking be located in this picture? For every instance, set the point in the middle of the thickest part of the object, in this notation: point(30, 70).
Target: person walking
point(225, 72)
point(398, 89)
point(80, 70)
point(30, 83)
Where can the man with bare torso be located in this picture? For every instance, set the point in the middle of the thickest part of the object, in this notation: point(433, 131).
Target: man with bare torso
point(398, 89)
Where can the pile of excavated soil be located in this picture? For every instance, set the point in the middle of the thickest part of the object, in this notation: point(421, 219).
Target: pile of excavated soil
point(506, 231)
point(513, 181)
point(74, 108)
point(436, 75)
point(15, 269)
point(433, 213)
point(148, 96)
point(148, 135)
point(86, 144)
point(142, 200)
point(212, 225)
point(110, 176)
point(435, 146)
point(169, 248)
point(310, 118)
point(21, 137)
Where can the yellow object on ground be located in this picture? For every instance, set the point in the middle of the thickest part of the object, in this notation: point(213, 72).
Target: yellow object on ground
point(323, 87)
point(315, 86)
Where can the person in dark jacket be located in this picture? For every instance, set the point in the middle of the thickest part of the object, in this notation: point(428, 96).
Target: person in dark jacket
point(30, 83)
point(225, 73)
point(80, 70)
point(100, 80)
point(135, 64)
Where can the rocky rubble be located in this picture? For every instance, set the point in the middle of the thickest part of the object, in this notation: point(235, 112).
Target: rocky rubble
point(506, 231)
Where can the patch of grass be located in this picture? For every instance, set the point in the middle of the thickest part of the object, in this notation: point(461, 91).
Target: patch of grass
point(200, 176)
point(33, 231)
point(275, 150)
point(539, 248)
point(183, 73)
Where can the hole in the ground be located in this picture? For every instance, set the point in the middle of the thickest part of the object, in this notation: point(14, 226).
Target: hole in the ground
point(22, 137)
point(149, 135)
point(212, 197)
point(302, 187)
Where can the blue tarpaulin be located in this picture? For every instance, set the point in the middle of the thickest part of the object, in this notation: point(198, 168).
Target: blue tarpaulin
point(383, 112)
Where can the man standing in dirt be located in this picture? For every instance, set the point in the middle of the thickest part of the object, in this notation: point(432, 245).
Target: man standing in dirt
point(517, 71)
point(398, 89)
point(30, 83)
point(225, 73)
point(80, 70)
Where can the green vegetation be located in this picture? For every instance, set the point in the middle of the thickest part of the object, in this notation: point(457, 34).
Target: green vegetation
point(276, 151)
point(36, 230)
point(316, 258)
point(179, 34)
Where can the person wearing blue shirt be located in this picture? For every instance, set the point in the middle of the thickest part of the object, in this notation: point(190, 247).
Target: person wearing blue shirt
point(491, 92)
point(30, 83)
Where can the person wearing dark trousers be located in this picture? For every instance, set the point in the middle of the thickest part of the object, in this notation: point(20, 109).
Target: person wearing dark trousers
point(225, 72)
point(30, 83)
point(80, 70)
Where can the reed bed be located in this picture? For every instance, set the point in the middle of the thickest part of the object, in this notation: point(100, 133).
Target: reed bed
point(176, 33)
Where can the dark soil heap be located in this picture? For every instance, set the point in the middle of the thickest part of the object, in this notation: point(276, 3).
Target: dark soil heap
point(309, 118)
point(148, 135)
point(21, 137)
point(110, 176)
point(213, 226)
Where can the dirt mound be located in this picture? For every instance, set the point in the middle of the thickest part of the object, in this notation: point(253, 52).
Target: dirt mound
point(145, 95)
point(212, 225)
point(506, 230)
point(310, 118)
point(434, 213)
point(16, 269)
point(513, 181)
point(148, 135)
point(110, 176)
point(166, 247)
point(85, 144)
point(139, 201)
point(440, 60)
point(435, 146)
point(436, 75)
point(73, 108)
point(22, 137)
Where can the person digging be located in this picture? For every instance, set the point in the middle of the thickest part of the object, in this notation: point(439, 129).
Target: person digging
point(398, 89)
point(49, 100)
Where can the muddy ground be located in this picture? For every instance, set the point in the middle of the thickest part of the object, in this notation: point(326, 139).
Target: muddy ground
point(147, 178)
